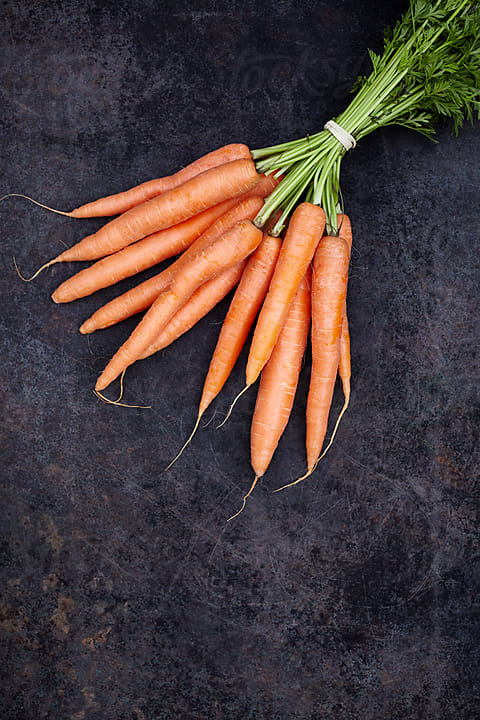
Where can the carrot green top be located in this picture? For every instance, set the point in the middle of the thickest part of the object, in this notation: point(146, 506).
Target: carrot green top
point(429, 70)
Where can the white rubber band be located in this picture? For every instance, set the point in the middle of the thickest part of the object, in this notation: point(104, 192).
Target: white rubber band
point(343, 137)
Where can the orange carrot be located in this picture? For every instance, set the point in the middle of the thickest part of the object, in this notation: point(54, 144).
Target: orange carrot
point(303, 235)
point(329, 289)
point(170, 208)
point(142, 296)
point(344, 365)
point(231, 248)
point(152, 249)
point(345, 229)
point(139, 256)
point(344, 368)
point(239, 319)
point(202, 301)
point(142, 254)
point(120, 202)
point(279, 379)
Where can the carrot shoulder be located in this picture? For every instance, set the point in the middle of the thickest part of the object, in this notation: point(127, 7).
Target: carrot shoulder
point(303, 235)
point(279, 379)
point(122, 201)
point(230, 249)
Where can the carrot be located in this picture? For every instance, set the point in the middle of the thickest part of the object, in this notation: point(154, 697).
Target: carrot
point(239, 319)
point(303, 235)
point(120, 202)
point(201, 302)
point(278, 384)
point(344, 368)
point(152, 249)
point(279, 379)
point(344, 365)
point(231, 248)
point(139, 256)
point(345, 229)
point(171, 208)
point(142, 254)
point(329, 289)
point(142, 296)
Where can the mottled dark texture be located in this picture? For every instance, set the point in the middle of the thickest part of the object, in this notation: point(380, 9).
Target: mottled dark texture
point(354, 596)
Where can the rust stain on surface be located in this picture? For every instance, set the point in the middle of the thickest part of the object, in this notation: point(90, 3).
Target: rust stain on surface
point(59, 618)
point(50, 534)
point(49, 581)
point(453, 476)
point(99, 638)
point(65, 667)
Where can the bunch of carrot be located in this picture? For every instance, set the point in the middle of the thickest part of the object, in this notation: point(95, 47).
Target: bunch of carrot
point(223, 215)
point(204, 214)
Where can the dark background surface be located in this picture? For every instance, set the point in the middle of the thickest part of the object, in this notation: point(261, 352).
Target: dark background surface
point(124, 592)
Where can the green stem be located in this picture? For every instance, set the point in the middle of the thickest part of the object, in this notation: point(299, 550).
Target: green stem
point(393, 94)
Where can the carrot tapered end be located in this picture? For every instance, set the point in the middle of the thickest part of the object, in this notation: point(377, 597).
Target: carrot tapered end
point(104, 380)
point(87, 327)
point(57, 296)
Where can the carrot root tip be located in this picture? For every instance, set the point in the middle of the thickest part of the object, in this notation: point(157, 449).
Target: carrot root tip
point(295, 482)
point(187, 441)
point(87, 327)
point(35, 202)
point(232, 406)
point(117, 402)
point(121, 386)
point(255, 480)
point(25, 279)
point(345, 406)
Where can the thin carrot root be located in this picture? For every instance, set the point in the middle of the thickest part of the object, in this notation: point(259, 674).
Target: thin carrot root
point(35, 202)
point(117, 402)
point(22, 277)
point(342, 412)
point(309, 472)
point(185, 443)
point(232, 406)
point(257, 477)
point(121, 386)
point(295, 482)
